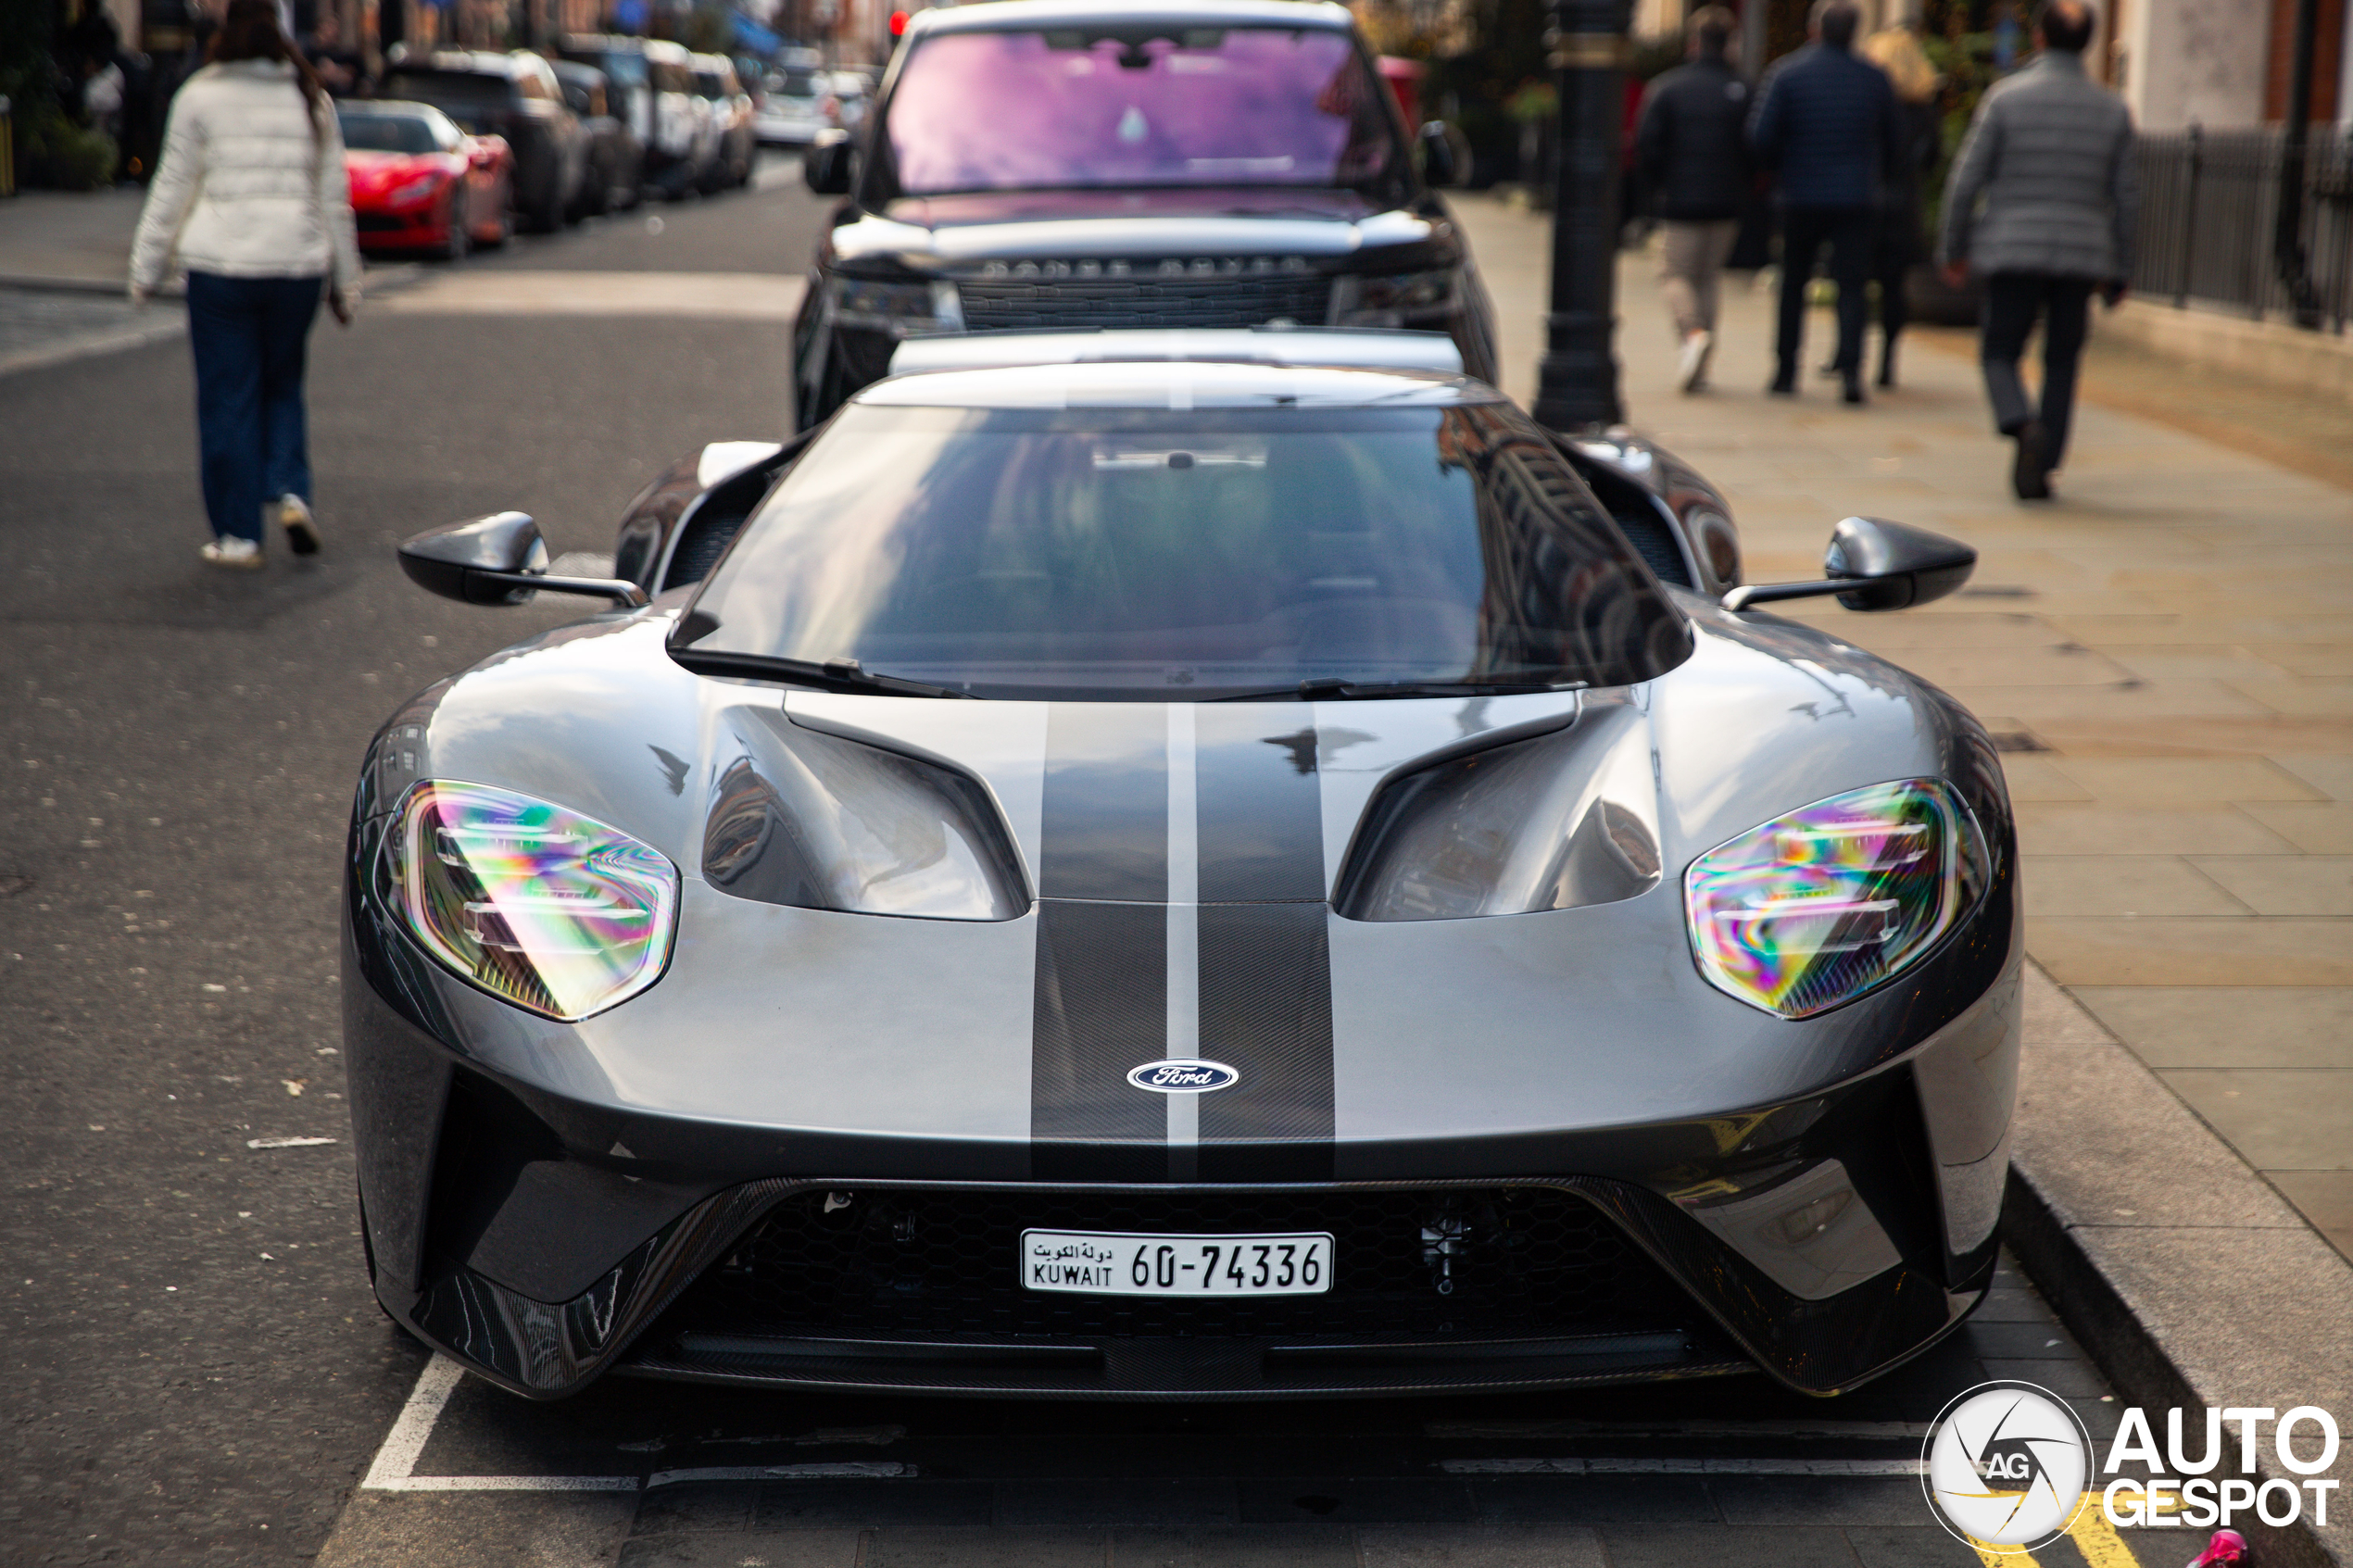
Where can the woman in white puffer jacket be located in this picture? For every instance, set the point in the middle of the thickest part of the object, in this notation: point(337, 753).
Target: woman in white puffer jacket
point(251, 194)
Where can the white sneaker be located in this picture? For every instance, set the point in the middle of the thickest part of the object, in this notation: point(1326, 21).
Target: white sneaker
point(1690, 366)
point(302, 529)
point(230, 550)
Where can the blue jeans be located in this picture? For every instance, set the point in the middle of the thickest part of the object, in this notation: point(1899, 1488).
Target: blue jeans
point(248, 335)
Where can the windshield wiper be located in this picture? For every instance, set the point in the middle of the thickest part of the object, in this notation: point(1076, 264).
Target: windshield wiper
point(1330, 690)
point(830, 674)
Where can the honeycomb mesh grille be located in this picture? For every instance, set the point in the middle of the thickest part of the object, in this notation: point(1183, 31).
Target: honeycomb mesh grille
point(1520, 1261)
point(1145, 302)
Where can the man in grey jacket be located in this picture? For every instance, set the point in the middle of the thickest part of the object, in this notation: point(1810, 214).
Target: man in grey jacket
point(2051, 154)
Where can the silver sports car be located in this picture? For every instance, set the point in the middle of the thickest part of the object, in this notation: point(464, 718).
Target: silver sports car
point(1230, 865)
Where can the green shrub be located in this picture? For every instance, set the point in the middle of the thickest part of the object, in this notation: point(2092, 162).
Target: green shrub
point(54, 152)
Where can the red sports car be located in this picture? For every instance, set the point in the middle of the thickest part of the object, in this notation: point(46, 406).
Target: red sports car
point(419, 182)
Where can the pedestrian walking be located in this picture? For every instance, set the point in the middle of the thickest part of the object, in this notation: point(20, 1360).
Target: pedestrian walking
point(1692, 147)
point(251, 194)
point(1825, 124)
point(1899, 245)
point(2051, 154)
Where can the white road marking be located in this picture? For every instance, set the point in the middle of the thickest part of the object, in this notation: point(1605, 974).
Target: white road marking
point(847, 1470)
point(396, 1459)
point(1890, 1430)
point(287, 1143)
point(394, 1469)
point(1848, 1467)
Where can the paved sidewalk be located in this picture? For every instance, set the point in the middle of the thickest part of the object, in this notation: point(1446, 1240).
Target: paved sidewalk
point(2166, 652)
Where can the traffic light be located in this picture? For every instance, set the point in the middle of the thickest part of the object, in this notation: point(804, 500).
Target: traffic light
point(897, 24)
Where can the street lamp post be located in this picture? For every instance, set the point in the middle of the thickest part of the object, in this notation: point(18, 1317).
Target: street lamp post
point(1577, 379)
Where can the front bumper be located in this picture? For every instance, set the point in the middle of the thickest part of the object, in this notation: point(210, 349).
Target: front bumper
point(546, 1237)
point(417, 228)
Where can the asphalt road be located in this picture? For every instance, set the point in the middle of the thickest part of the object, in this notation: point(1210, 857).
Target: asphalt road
point(196, 1373)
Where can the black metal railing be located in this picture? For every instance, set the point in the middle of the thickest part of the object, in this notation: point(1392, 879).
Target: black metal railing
point(2212, 226)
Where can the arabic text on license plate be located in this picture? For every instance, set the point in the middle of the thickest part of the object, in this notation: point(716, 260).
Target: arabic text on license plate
point(1116, 1263)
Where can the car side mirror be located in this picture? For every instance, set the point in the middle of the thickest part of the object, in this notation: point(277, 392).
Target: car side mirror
point(1874, 564)
point(1438, 154)
point(499, 559)
point(826, 165)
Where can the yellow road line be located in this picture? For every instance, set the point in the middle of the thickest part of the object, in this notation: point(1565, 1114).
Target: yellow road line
point(2092, 1535)
point(2098, 1539)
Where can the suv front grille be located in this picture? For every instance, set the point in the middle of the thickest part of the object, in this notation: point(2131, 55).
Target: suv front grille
point(1502, 1260)
point(1168, 300)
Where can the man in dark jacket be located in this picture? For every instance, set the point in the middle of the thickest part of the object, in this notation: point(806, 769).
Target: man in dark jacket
point(2051, 153)
point(1692, 149)
point(1826, 123)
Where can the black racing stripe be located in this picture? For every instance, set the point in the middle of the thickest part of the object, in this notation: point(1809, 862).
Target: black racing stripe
point(1102, 1008)
point(1266, 1012)
point(1259, 803)
point(1103, 825)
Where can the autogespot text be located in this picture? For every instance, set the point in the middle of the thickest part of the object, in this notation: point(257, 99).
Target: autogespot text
point(2181, 1489)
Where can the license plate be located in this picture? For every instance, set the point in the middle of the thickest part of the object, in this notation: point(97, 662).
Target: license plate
point(1122, 1263)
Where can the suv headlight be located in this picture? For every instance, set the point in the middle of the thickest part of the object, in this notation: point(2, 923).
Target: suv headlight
point(901, 309)
point(540, 907)
point(1820, 906)
point(1391, 299)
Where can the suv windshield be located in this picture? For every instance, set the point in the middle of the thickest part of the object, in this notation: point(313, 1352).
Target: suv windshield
point(1050, 111)
point(463, 95)
point(1121, 555)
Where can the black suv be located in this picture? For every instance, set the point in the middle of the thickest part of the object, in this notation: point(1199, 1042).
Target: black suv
point(517, 96)
point(1188, 163)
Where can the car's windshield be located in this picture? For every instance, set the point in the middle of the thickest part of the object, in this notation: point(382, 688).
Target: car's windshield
point(457, 93)
point(387, 133)
point(794, 82)
point(1122, 554)
point(621, 69)
point(1051, 110)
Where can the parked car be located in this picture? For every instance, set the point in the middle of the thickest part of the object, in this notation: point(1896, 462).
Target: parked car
point(794, 97)
point(514, 96)
point(1199, 163)
point(1191, 866)
point(853, 93)
point(617, 158)
point(685, 145)
point(419, 182)
point(730, 115)
point(629, 89)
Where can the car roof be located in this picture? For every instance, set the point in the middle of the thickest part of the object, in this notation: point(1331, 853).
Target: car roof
point(1022, 16)
point(459, 62)
point(1173, 385)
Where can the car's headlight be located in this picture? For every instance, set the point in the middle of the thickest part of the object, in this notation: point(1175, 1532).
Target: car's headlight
point(1822, 905)
point(414, 191)
point(540, 907)
point(1391, 299)
point(901, 309)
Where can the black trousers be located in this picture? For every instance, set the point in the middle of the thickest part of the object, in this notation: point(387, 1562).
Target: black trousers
point(2013, 300)
point(1805, 231)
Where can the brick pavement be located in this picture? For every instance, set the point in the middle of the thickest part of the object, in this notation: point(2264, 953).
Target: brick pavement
point(2168, 651)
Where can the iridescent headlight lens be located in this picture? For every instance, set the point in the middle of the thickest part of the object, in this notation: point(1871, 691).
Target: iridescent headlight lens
point(539, 906)
point(1822, 905)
